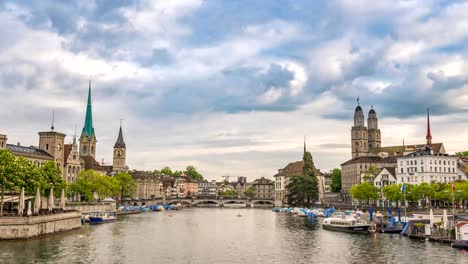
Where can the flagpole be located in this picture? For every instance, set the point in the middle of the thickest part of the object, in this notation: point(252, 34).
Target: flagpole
point(453, 202)
point(404, 197)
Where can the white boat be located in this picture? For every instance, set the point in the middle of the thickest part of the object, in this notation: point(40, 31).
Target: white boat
point(346, 224)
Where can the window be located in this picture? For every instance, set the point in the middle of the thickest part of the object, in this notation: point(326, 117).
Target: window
point(422, 169)
point(401, 170)
point(47, 146)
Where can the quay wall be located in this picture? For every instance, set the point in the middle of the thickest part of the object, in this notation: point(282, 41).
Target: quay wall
point(92, 207)
point(36, 226)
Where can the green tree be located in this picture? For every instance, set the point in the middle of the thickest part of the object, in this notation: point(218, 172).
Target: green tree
point(462, 154)
point(51, 177)
point(422, 191)
point(28, 176)
point(228, 192)
point(371, 173)
point(249, 192)
point(90, 182)
point(166, 171)
point(127, 185)
point(8, 175)
point(192, 172)
point(336, 180)
point(364, 192)
point(303, 189)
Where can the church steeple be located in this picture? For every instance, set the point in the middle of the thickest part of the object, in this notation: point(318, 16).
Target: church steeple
point(428, 133)
point(120, 152)
point(88, 128)
point(88, 138)
point(120, 143)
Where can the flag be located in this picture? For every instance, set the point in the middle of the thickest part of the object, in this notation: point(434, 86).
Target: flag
point(453, 186)
point(403, 187)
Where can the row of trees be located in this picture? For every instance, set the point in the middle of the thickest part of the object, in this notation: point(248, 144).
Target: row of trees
point(443, 192)
point(90, 184)
point(190, 171)
point(303, 189)
point(17, 173)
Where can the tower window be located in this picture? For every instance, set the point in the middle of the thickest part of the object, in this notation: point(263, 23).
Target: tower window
point(47, 146)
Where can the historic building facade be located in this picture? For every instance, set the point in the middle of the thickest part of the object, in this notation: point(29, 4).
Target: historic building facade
point(148, 186)
point(263, 189)
point(425, 165)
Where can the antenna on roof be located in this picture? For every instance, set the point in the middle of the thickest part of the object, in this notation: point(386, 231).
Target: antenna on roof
point(53, 119)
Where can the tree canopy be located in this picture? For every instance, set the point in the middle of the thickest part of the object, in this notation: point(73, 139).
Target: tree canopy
point(192, 173)
point(249, 192)
point(127, 185)
point(302, 190)
point(370, 174)
point(364, 192)
point(90, 182)
point(335, 180)
point(18, 172)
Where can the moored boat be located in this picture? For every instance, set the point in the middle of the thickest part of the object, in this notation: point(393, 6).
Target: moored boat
point(102, 217)
point(347, 224)
point(462, 244)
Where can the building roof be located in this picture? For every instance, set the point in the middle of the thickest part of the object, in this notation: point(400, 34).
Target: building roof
point(120, 141)
point(66, 152)
point(294, 169)
point(262, 181)
point(399, 150)
point(88, 128)
point(391, 170)
point(143, 175)
point(425, 152)
point(91, 164)
point(370, 159)
point(28, 151)
point(463, 166)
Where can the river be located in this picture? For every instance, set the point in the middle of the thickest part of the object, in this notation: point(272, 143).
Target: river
point(215, 235)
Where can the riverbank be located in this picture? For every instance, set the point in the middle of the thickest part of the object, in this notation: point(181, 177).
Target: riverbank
point(27, 227)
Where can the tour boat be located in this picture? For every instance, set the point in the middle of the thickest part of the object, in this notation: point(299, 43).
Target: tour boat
point(347, 224)
point(102, 217)
point(462, 244)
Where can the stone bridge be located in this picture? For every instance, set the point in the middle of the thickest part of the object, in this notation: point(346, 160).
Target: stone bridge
point(206, 201)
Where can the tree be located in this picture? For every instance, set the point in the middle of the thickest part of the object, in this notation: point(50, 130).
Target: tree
point(422, 191)
point(364, 192)
point(90, 182)
point(28, 176)
point(335, 180)
point(166, 171)
point(51, 177)
point(192, 172)
point(249, 192)
point(462, 154)
point(228, 192)
point(303, 189)
point(127, 185)
point(8, 176)
point(371, 173)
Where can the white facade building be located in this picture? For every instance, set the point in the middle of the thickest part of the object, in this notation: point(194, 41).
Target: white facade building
point(385, 177)
point(426, 166)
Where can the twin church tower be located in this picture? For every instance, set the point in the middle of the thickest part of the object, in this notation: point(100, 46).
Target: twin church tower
point(364, 139)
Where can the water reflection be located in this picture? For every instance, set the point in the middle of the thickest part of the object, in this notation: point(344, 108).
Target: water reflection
point(216, 235)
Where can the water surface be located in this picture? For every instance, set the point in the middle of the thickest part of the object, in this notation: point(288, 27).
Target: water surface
point(215, 235)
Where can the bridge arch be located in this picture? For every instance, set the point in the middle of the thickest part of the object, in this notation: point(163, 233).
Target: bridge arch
point(181, 201)
point(264, 202)
point(206, 201)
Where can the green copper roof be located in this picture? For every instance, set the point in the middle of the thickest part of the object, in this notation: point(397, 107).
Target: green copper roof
point(88, 125)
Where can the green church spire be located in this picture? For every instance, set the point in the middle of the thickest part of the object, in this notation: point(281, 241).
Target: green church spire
point(88, 125)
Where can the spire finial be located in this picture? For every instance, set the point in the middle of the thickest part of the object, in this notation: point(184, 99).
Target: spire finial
point(53, 119)
point(428, 133)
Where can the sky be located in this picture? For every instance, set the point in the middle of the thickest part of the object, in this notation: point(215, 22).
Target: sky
point(232, 87)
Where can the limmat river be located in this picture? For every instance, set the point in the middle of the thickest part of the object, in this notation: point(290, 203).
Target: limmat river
point(216, 235)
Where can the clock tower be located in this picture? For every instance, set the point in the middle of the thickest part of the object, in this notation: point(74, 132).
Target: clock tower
point(120, 151)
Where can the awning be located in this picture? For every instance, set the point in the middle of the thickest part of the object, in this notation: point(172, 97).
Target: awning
point(15, 198)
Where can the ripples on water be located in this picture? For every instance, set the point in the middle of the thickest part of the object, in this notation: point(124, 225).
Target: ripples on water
point(214, 235)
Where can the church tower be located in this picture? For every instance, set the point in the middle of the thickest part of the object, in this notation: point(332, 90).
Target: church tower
point(88, 138)
point(53, 143)
point(120, 151)
point(359, 139)
point(373, 130)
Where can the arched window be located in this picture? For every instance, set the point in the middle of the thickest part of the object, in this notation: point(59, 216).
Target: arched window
point(84, 149)
point(69, 170)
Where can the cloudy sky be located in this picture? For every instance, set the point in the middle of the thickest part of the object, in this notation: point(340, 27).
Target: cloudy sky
point(233, 86)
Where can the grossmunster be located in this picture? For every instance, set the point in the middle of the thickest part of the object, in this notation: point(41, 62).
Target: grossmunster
point(71, 158)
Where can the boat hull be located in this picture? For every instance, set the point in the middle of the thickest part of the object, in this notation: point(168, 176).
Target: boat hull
point(461, 244)
point(100, 220)
point(348, 229)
